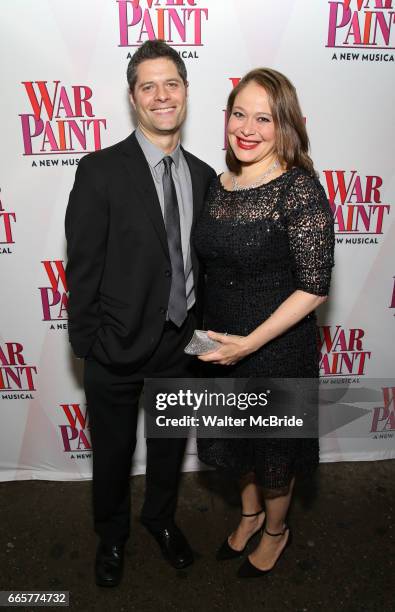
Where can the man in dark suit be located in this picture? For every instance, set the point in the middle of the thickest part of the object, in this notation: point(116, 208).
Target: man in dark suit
point(134, 289)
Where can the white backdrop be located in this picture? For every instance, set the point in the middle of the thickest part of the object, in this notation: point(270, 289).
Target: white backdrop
point(64, 93)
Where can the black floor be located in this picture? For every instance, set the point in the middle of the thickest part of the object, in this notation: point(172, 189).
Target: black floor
point(341, 559)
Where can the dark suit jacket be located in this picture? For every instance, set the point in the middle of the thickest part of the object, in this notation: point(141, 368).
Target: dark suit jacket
point(118, 269)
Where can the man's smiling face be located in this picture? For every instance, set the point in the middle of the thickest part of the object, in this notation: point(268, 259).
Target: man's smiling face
point(159, 97)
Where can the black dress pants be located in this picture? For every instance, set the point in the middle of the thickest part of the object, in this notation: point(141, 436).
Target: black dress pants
point(113, 395)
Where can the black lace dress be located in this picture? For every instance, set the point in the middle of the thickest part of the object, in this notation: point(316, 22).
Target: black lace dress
point(258, 246)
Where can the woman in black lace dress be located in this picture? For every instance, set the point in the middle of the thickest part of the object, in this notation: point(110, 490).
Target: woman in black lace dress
point(266, 240)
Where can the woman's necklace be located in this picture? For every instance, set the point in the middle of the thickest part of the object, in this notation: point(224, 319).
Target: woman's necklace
point(237, 187)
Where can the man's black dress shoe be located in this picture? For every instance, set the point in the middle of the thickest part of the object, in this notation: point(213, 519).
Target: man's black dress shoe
point(109, 564)
point(174, 546)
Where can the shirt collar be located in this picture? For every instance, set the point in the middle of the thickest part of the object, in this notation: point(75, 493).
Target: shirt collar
point(154, 154)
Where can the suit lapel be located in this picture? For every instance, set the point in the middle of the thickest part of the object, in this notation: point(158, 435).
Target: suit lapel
point(197, 186)
point(198, 198)
point(142, 182)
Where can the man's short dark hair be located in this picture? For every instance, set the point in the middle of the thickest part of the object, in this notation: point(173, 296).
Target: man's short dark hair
point(154, 49)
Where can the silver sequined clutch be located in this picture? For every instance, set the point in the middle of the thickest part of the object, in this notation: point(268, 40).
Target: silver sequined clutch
point(200, 343)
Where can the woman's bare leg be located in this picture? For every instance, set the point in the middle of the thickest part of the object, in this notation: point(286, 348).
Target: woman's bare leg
point(270, 547)
point(251, 499)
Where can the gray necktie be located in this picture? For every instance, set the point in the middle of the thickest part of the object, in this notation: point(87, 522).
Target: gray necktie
point(177, 308)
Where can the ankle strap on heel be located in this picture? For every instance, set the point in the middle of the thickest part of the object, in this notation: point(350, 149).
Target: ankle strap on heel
point(254, 513)
point(276, 534)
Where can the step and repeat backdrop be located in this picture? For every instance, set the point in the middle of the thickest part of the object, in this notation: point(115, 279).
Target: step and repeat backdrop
point(64, 94)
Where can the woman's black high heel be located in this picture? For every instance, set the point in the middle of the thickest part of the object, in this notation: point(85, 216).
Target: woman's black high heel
point(226, 552)
point(247, 570)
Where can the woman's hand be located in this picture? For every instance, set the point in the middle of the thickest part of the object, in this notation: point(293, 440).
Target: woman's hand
point(232, 350)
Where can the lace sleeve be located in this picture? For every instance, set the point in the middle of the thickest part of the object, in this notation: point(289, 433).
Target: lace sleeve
point(311, 234)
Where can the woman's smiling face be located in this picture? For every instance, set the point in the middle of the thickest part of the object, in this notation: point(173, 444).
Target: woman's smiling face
point(251, 131)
